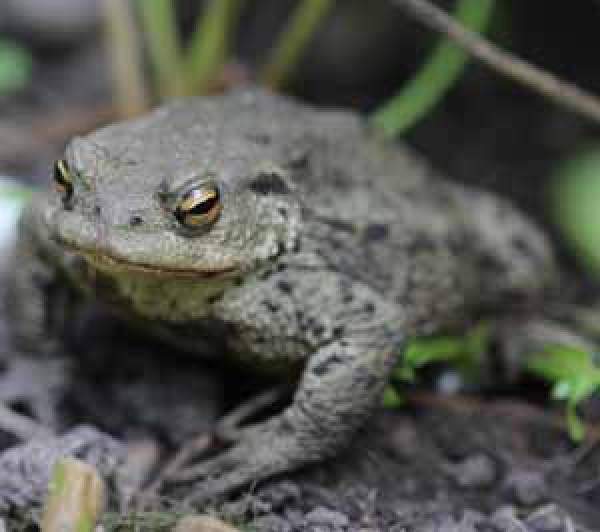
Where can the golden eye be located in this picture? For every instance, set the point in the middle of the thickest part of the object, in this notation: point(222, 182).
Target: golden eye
point(199, 206)
point(63, 180)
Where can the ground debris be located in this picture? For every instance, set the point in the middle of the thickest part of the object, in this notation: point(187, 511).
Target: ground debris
point(25, 470)
point(203, 523)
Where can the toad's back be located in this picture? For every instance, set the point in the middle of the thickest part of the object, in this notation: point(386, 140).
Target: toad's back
point(376, 212)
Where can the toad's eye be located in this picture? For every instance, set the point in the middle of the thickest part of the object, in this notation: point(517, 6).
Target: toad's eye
point(199, 207)
point(63, 180)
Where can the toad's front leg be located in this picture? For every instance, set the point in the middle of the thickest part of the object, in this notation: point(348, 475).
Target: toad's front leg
point(340, 388)
point(341, 385)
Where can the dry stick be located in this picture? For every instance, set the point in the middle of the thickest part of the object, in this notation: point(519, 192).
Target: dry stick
point(562, 92)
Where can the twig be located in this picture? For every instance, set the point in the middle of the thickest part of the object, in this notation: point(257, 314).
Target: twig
point(521, 412)
point(562, 92)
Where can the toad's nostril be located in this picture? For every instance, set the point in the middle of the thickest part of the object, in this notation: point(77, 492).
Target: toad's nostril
point(136, 220)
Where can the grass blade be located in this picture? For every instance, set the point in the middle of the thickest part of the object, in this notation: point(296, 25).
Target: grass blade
point(160, 29)
point(293, 40)
point(436, 76)
point(210, 43)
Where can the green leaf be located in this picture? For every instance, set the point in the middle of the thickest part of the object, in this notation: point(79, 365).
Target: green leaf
point(464, 350)
point(16, 66)
point(424, 351)
point(574, 377)
point(562, 363)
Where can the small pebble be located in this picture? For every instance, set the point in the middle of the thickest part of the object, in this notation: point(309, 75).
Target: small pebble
point(526, 488)
point(549, 518)
point(270, 523)
point(476, 471)
point(280, 493)
point(505, 519)
point(203, 523)
point(321, 516)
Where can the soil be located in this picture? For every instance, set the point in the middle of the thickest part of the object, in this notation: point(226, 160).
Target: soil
point(495, 461)
point(447, 463)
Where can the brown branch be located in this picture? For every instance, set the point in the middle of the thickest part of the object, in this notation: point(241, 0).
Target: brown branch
point(562, 92)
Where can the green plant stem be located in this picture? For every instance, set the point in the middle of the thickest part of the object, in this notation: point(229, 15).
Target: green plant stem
point(435, 77)
point(158, 21)
point(125, 58)
point(210, 43)
point(292, 42)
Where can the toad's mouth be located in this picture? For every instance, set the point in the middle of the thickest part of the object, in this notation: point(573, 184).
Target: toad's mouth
point(105, 261)
point(116, 253)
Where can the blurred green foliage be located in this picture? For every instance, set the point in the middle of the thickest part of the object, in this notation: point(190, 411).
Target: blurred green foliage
point(575, 203)
point(16, 66)
point(573, 373)
point(195, 68)
point(191, 70)
point(13, 191)
point(463, 352)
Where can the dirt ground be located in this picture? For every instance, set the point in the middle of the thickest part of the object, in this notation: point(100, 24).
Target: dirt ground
point(498, 461)
point(447, 463)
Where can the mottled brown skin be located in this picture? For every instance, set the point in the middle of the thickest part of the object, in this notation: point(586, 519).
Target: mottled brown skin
point(331, 249)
